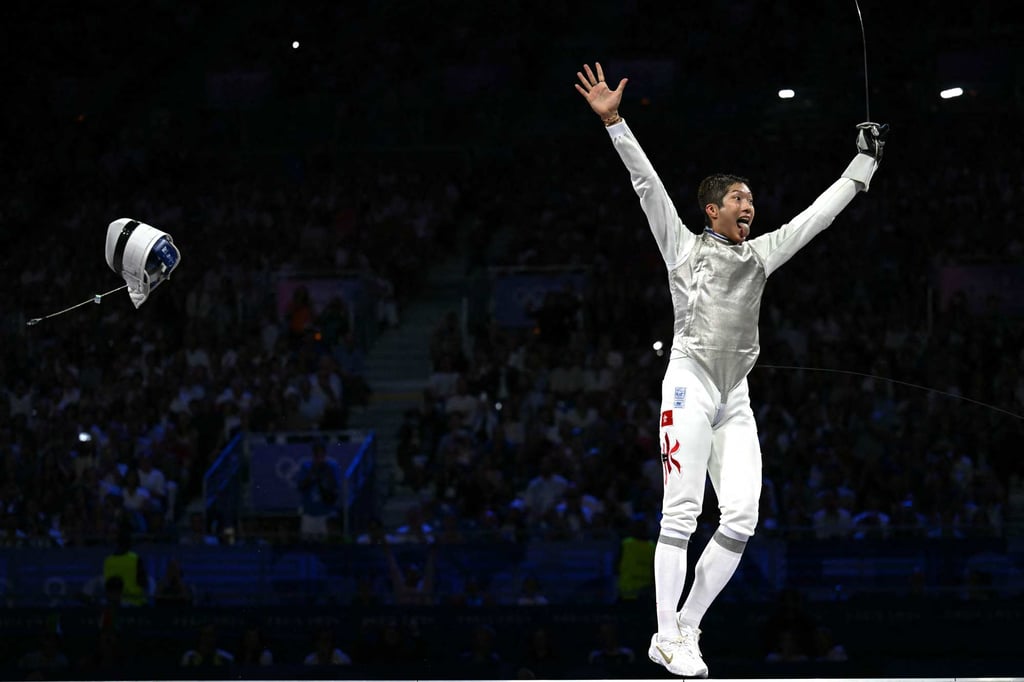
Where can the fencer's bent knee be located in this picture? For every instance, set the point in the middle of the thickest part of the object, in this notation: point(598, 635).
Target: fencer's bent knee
point(740, 520)
point(680, 520)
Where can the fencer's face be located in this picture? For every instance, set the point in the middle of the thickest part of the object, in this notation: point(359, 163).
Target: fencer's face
point(733, 218)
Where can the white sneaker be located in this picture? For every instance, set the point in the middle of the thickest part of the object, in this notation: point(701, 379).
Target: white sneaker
point(678, 655)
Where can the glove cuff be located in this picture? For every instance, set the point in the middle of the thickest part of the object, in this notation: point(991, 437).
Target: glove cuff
point(861, 169)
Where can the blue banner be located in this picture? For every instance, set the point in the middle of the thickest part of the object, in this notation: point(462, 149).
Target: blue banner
point(517, 295)
point(275, 468)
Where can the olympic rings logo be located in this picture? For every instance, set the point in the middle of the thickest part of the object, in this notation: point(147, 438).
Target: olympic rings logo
point(287, 469)
point(55, 589)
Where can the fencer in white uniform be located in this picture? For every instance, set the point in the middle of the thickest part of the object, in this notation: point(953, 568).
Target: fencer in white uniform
point(707, 427)
point(143, 255)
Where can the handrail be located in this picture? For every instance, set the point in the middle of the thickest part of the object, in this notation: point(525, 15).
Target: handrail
point(215, 467)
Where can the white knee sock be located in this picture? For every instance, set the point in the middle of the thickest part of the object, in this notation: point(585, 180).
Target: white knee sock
point(669, 580)
point(714, 569)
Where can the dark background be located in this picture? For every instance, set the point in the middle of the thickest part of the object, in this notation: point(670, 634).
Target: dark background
point(111, 109)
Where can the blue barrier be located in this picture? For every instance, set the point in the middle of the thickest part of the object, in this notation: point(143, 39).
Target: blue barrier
point(255, 475)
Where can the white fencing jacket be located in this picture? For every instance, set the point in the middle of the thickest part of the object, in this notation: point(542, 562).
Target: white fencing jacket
point(716, 285)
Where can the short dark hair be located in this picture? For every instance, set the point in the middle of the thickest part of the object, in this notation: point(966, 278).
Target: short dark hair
point(713, 188)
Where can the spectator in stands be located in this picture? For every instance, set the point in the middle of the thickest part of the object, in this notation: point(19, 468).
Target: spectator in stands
point(826, 648)
point(325, 652)
point(788, 648)
point(611, 654)
point(319, 484)
point(198, 534)
point(387, 301)
point(635, 578)
point(481, 655)
point(137, 503)
point(871, 522)
point(375, 533)
point(401, 643)
point(830, 520)
point(530, 593)
point(411, 584)
point(451, 531)
point(944, 521)
point(207, 654)
point(443, 378)
point(768, 505)
point(110, 602)
point(544, 490)
point(541, 659)
point(446, 343)
point(474, 592)
point(299, 314)
point(108, 657)
point(417, 528)
point(555, 317)
point(311, 407)
point(171, 588)
point(788, 631)
point(72, 526)
point(366, 594)
point(463, 406)
point(575, 513)
point(419, 437)
point(351, 363)
point(333, 322)
point(47, 660)
point(327, 385)
point(155, 482)
point(125, 564)
point(252, 647)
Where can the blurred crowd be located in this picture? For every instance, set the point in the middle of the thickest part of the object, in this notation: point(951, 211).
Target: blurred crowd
point(399, 644)
point(884, 408)
point(890, 406)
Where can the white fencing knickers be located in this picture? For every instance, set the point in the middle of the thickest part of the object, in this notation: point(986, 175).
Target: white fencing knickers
point(701, 437)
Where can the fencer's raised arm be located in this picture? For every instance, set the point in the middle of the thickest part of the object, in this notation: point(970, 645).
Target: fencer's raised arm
point(673, 237)
point(778, 246)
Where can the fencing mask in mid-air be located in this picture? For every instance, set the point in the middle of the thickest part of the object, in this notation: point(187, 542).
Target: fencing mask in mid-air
point(143, 255)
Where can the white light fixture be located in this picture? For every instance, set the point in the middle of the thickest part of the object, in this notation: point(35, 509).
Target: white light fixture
point(786, 93)
point(950, 93)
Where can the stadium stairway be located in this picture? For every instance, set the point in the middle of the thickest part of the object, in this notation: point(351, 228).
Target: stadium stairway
point(398, 368)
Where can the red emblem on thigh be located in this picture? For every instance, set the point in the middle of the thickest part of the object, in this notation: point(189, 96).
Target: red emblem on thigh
point(667, 459)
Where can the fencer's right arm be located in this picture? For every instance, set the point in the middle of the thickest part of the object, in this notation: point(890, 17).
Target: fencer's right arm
point(673, 238)
point(777, 247)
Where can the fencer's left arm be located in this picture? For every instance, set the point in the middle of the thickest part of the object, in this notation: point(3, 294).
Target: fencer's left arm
point(778, 246)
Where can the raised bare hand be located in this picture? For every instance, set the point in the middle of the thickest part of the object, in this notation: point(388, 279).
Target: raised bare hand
point(602, 99)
